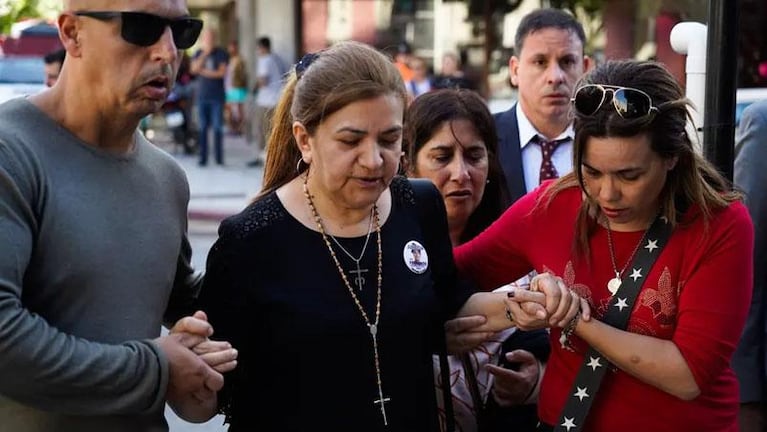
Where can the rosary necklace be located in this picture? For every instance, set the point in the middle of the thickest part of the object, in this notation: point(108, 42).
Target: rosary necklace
point(614, 284)
point(359, 280)
point(372, 326)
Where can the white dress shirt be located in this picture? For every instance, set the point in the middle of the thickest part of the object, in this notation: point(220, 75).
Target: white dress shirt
point(531, 151)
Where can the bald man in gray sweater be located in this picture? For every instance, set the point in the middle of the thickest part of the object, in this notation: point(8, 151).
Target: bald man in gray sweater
point(94, 256)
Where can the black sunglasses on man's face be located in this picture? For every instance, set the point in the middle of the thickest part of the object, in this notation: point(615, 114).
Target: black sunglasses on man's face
point(145, 29)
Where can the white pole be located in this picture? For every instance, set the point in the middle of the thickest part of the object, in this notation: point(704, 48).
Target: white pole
point(690, 38)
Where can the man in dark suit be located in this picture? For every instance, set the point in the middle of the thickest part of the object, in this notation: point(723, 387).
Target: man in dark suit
point(549, 59)
point(535, 144)
point(750, 359)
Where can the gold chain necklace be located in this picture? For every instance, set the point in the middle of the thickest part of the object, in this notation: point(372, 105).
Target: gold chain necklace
point(372, 326)
point(614, 284)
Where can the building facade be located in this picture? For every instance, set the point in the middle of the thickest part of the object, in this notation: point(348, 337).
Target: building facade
point(481, 31)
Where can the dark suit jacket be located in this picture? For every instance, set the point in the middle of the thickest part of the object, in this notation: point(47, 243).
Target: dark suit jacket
point(522, 417)
point(510, 153)
point(750, 359)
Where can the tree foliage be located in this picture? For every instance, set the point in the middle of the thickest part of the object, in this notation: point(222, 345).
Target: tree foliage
point(12, 11)
point(590, 7)
point(589, 13)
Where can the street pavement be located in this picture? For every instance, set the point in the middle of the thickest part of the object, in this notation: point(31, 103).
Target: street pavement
point(215, 192)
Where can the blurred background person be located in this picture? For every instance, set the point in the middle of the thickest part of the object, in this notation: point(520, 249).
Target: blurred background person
point(452, 75)
point(180, 102)
point(209, 66)
point(450, 139)
point(236, 89)
point(750, 359)
point(270, 71)
point(420, 81)
point(53, 64)
point(402, 59)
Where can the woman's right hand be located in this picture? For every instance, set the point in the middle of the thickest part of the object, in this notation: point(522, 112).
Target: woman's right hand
point(561, 304)
point(217, 354)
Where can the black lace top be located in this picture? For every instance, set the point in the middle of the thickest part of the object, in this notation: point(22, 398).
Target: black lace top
point(306, 356)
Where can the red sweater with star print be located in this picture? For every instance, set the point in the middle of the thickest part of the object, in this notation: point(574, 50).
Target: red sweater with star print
point(696, 294)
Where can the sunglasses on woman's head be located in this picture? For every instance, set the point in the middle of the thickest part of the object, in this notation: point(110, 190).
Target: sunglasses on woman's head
point(144, 29)
point(629, 103)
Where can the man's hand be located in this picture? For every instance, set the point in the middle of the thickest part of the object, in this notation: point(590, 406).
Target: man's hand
point(189, 374)
point(515, 387)
point(460, 334)
point(192, 384)
point(196, 365)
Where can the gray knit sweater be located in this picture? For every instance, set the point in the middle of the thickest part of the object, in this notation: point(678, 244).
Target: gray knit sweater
point(93, 255)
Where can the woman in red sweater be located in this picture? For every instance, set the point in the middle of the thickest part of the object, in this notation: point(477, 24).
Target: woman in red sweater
point(652, 237)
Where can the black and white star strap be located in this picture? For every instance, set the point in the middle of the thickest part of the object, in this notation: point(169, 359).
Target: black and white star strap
point(594, 365)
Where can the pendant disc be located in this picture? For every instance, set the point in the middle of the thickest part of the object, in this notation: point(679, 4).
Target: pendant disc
point(613, 285)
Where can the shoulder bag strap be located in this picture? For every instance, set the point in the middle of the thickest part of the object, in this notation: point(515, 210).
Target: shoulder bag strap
point(594, 365)
point(470, 376)
point(423, 202)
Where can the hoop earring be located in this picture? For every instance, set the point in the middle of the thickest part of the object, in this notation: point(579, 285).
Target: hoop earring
point(298, 165)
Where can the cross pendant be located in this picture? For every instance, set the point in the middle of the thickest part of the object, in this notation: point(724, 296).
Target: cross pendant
point(373, 328)
point(359, 280)
point(382, 400)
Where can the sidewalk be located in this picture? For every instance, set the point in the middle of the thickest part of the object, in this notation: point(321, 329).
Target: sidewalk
point(218, 191)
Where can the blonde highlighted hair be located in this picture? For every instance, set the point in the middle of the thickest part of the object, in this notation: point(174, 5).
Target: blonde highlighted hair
point(319, 85)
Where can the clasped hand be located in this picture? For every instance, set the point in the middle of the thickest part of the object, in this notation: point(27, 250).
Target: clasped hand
point(548, 303)
point(196, 363)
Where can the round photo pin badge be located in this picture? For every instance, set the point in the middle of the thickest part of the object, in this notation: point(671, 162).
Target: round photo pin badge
point(416, 258)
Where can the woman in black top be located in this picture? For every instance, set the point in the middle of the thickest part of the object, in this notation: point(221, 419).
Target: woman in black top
point(329, 286)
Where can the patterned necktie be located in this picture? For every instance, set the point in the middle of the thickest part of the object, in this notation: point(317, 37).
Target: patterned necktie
point(548, 171)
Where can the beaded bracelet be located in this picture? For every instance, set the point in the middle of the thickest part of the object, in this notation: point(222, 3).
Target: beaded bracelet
point(567, 331)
